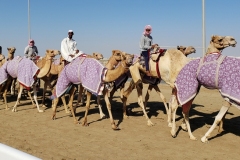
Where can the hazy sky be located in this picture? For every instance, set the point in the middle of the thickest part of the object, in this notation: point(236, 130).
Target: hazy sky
point(104, 25)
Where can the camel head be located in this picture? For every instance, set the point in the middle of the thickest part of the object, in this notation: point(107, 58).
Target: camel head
point(97, 56)
point(127, 59)
point(57, 52)
point(50, 54)
point(1, 57)
point(181, 48)
point(189, 50)
point(117, 54)
point(11, 50)
point(229, 41)
point(217, 42)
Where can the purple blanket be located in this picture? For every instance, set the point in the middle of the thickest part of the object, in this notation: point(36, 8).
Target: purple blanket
point(90, 73)
point(21, 68)
point(3, 73)
point(225, 77)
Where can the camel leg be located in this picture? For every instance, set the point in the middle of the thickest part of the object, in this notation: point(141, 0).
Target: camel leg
point(80, 95)
point(64, 103)
point(44, 92)
point(125, 96)
point(70, 104)
point(140, 102)
point(89, 94)
point(186, 107)
point(8, 83)
point(112, 93)
point(174, 106)
point(18, 99)
point(218, 118)
point(54, 108)
point(162, 97)
point(35, 97)
point(147, 95)
point(220, 129)
point(102, 115)
point(108, 104)
point(30, 96)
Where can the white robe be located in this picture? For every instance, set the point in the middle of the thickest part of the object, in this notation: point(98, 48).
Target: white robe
point(69, 47)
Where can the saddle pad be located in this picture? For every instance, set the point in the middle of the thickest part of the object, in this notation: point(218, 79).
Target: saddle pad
point(23, 69)
point(90, 74)
point(188, 81)
point(3, 73)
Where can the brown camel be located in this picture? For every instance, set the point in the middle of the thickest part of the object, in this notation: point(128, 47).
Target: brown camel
point(186, 51)
point(110, 76)
point(217, 44)
point(4, 87)
point(42, 72)
point(111, 64)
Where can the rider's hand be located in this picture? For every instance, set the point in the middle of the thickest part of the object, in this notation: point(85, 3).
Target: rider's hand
point(77, 51)
point(71, 55)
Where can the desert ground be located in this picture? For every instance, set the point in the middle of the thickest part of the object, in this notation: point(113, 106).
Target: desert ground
point(61, 139)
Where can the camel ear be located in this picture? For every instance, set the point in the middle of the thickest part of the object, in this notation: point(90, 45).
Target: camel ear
point(52, 51)
point(113, 52)
point(47, 51)
point(124, 53)
point(8, 49)
point(178, 47)
point(94, 54)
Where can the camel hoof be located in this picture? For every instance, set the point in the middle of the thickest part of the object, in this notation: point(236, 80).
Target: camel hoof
point(14, 110)
point(44, 106)
point(103, 116)
point(170, 125)
point(53, 117)
point(125, 117)
point(76, 122)
point(204, 140)
point(7, 108)
point(193, 138)
point(116, 128)
point(173, 134)
point(67, 111)
point(85, 124)
point(149, 123)
point(40, 111)
point(184, 127)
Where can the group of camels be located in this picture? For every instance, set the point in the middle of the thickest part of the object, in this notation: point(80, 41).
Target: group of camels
point(168, 65)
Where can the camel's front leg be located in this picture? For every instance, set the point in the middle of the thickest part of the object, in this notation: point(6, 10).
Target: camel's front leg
point(174, 106)
point(125, 97)
point(44, 92)
point(162, 97)
point(140, 102)
point(105, 94)
point(70, 104)
point(30, 96)
point(89, 94)
point(150, 87)
point(8, 83)
point(218, 118)
point(35, 98)
point(54, 108)
point(80, 95)
point(18, 99)
point(64, 103)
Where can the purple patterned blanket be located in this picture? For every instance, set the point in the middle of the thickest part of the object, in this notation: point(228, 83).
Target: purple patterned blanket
point(216, 72)
point(3, 73)
point(21, 68)
point(90, 73)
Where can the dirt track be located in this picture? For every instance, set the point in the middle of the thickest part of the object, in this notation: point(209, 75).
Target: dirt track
point(61, 139)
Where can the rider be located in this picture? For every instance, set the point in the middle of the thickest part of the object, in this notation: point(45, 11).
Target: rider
point(69, 49)
point(145, 46)
point(31, 50)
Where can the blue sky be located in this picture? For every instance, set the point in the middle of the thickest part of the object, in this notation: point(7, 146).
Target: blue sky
point(104, 25)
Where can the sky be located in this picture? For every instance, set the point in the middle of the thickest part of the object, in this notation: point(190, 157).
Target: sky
point(104, 25)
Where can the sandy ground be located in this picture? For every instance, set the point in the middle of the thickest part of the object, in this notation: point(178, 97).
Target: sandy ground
point(61, 139)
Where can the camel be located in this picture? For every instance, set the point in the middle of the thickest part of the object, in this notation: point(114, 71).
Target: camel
point(113, 61)
point(213, 57)
point(24, 63)
point(169, 65)
point(110, 76)
point(4, 87)
point(186, 51)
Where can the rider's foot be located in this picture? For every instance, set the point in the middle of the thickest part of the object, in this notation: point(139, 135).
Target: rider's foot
point(148, 73)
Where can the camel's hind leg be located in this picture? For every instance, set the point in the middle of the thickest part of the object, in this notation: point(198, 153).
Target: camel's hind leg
point(80, 95)
point(87, 108)
point(18, 99)
point(64, 103)
point(102, 115)
point(218, 118)
point(44, 92)
point(54, 108)
point(70, 104)
point(162, 97)
point(35, 98)
point(30, 96)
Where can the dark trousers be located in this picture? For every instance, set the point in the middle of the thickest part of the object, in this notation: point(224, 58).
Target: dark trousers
point(146, 58)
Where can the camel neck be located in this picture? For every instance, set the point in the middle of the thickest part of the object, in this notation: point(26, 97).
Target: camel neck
point(112, 63)
point(112, 75)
